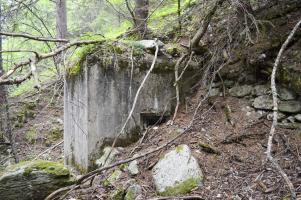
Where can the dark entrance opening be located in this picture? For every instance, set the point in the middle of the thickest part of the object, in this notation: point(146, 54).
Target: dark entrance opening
point(150, 119)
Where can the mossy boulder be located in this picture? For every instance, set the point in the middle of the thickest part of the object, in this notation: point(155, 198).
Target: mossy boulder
point(177, 173)
point(33, 180)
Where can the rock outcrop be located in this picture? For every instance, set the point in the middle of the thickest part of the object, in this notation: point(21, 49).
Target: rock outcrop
point(33, 180)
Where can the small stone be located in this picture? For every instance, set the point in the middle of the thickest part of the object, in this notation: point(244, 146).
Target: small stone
point(133, 192)
point(117, 194)
point(133, 168)
point(107, 158)
point(298, 117)
point(228, 83)
point(114, 176)
point(290, 106)
point(285, 94)
point(148, 44)
point(214, 92)
point(263, 102)
point(260, 90)
point(241, 91)
point(291, 119)
point(280, 116)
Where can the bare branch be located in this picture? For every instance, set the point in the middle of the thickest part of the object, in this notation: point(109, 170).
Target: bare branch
point(4, 78)
point(275, 113)
point(32, 37)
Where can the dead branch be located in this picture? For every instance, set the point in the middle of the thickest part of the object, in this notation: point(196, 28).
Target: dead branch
point(32, 37)
point(4, 79)
point(203, 29)
point(179, 198)
point(92, 174)
point(275, 112)
point(177, 85)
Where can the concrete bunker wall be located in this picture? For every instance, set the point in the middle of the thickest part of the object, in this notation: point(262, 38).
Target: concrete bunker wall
point(97, 102)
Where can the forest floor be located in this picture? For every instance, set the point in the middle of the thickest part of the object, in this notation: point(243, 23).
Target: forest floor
point(37, 125)
point(232, 155)
point(234, 165)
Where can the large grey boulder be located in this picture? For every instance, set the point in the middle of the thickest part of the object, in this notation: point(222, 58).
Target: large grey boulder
point(178, 172)
point(290, 106)
point(33, 180)
point(264, 102)
point(241, 91)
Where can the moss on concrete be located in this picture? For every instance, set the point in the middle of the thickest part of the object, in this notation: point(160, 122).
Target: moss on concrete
point(181, 188)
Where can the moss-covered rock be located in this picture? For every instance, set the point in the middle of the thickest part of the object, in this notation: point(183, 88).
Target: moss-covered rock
point(177, 173)
point(36, 180)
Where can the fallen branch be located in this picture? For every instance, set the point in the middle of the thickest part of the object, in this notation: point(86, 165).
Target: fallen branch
point(92, 174)
point(179, 198)
point(49, 149)
point(275, 113)
point(32, 37)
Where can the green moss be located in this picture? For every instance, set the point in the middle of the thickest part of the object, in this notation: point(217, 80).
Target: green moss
point(130, 195)
point(78, 58)
point(123, 167)
point(52, 168)
point(179, 148)
point(31, 136)
point(181, 188)
point(54, 134)
point(30, 105)
point(118, 194)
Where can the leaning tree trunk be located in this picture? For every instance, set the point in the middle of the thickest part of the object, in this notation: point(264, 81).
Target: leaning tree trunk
point(141, 14)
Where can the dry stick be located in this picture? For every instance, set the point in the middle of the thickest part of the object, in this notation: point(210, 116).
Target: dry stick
point(32, 37)
point(49, 149)
point(275, 113)
point(179, 198)
point(92, 174)
point(177, 85)
point(4, 79)
point(135, 100)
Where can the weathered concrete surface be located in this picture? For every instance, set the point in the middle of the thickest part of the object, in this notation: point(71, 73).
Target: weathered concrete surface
point(97, 103)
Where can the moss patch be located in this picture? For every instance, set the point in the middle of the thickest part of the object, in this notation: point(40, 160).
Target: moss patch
point(55, 169)
point(181, 188)
point(31, 136)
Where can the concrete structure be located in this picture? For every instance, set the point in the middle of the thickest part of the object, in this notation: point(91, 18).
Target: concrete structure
point(97, 103)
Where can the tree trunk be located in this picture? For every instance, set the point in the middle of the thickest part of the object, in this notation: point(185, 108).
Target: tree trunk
point(141, 14)
point(61, 29)
point(2, 88)
point(61, 19)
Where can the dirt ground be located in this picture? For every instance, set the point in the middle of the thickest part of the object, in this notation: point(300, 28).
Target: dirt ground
point(234, 166)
